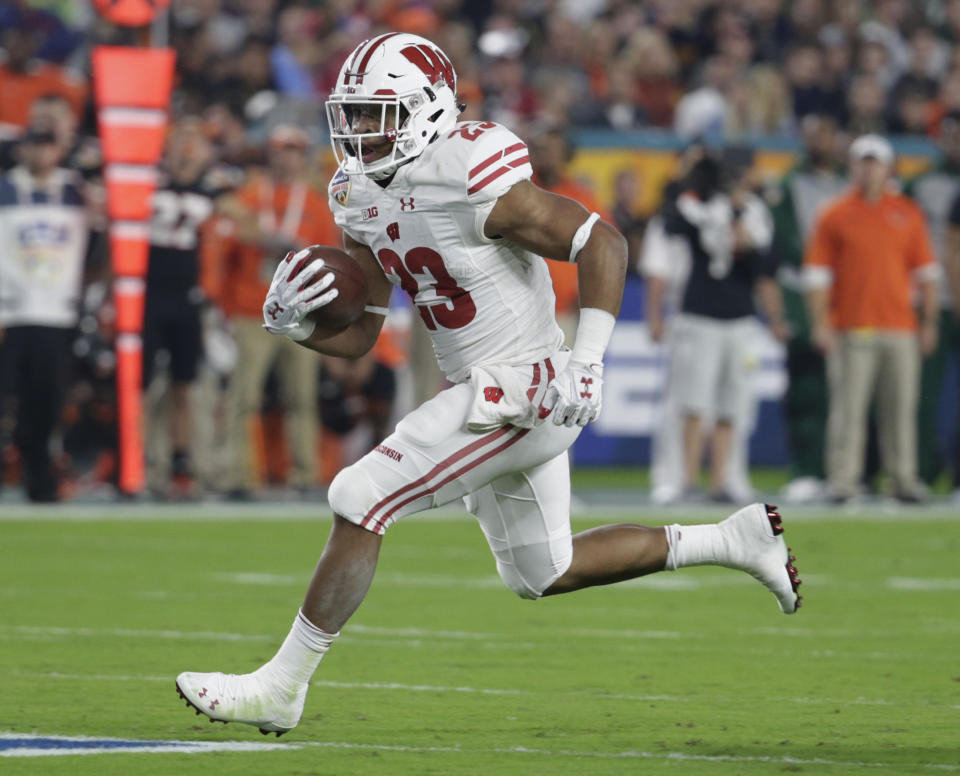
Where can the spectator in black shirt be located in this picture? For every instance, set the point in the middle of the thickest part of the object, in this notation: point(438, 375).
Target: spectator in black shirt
point(184, 200)
point(729, 231)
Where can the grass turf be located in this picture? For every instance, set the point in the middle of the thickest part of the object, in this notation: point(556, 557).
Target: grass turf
point(443, 671)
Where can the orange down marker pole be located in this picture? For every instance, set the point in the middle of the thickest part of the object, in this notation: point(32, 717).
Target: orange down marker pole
point(132, 88)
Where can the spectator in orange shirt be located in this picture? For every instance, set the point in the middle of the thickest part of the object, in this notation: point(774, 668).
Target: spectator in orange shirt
point(23, 79)
point(274, 213)
point(868, 248)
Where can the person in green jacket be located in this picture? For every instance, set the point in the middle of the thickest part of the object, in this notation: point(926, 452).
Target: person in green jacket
point(935, 192)
point(794, 203)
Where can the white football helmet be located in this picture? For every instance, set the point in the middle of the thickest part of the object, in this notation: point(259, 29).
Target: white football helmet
point(405, 83)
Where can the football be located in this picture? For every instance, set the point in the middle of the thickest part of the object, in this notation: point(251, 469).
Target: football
point(349, 281)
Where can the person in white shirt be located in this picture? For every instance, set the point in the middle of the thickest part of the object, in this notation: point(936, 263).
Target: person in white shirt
point(43, 240)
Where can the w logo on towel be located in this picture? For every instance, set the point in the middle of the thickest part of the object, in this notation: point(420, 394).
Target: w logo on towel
point(493, 394)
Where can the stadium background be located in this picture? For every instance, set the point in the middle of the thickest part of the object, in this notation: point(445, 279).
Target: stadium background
point(563, 59)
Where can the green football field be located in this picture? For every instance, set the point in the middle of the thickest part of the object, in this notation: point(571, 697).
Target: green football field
point(444, 671)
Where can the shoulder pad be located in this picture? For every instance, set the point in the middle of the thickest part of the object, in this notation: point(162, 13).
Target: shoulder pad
point(497, 160)
point(490, 156)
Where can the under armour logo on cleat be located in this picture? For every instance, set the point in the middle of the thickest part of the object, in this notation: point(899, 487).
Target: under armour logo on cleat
point(214, 705)
point(202, 692)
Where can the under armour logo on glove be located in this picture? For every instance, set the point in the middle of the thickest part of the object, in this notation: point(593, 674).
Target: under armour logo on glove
point(574, 395)
point(274, 310)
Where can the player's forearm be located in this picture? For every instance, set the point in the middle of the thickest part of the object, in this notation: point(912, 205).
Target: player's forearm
point(602, 269)
point(353, 342)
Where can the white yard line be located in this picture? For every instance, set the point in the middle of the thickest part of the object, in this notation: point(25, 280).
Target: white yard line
point(299, 512)
point(923, 584)
point(439, 689)
point(414, 638)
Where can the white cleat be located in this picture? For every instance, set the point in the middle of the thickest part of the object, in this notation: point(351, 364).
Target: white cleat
point(242, 698)
point(755, 543)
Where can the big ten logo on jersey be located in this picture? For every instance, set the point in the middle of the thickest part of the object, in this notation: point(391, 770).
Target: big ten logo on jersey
point(177, 216)
point(422, 273)
point(368, 212)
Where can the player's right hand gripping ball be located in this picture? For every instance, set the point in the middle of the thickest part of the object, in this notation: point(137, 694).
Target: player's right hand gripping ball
point(317, 286)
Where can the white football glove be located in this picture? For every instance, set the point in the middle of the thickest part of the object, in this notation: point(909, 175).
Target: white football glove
point(574, 395)
point(293, 295)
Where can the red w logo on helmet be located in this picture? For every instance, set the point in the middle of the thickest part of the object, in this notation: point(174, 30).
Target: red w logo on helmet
point(433, 63)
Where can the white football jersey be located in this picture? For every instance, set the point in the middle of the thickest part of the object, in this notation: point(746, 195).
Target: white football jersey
point(484, 301)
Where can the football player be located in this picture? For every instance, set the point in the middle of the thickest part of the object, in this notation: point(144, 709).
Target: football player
point(446, 210)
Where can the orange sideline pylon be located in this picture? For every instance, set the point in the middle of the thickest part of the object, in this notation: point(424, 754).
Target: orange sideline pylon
point(132, 90)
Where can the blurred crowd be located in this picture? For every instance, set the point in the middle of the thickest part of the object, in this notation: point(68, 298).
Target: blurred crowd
point(245, 171)
point(693, 66)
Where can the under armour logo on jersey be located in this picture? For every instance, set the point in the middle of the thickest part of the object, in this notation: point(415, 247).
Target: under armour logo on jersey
point(404, 204)
point(393, 231)
point(493, 394)
point(274, 310)
point(587, 382)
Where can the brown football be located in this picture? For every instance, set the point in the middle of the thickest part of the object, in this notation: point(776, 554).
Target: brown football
point(349, 281)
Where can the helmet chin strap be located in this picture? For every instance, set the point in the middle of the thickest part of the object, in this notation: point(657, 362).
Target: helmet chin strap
point(390, 170)
point(387, 172)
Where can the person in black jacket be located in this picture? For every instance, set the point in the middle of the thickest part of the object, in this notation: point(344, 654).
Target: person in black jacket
point(728, 230)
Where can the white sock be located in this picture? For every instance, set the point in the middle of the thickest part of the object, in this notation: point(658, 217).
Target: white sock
point(298, 656)
point(695, 545)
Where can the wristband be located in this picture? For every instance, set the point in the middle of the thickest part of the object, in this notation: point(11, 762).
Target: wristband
point(582, 235)
point(593, 335)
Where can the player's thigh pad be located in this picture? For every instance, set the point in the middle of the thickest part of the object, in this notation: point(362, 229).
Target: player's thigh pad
point(431, 460)
point(526, 519)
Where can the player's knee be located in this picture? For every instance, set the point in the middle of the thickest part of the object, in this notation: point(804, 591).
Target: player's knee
point(352, 494)
point(530, 571)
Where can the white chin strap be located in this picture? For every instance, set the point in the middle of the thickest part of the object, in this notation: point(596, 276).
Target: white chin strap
point(387, 172)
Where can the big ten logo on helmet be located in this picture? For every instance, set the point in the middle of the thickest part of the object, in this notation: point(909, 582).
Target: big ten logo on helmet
point(368, 212)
